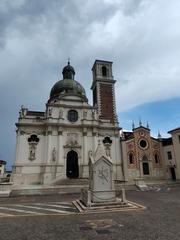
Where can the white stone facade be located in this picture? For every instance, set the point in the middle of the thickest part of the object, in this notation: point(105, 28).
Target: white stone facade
point(56, 144)
point(44, 140)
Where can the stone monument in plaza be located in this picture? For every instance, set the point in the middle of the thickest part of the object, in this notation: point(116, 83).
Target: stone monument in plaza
point(101, 194)
point(101, 185)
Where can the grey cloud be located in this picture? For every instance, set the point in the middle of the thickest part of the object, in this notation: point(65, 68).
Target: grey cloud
point(36, 38)
point(131, 7)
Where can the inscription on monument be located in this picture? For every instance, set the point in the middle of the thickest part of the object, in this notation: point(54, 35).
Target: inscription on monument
point(103, 174)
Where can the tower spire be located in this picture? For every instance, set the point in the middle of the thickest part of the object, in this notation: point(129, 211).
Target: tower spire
point(69, 60)
point(133, 125)
point(140, 122)
point(159, 134)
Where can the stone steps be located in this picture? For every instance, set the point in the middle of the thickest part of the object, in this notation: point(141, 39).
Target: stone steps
point(75, 186)
point(107, 207)
point(29, 190)
point(5, 193)
point(74, 181)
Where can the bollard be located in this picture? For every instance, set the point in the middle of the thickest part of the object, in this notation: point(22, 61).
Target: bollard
point(123, 196)
point(89, 198)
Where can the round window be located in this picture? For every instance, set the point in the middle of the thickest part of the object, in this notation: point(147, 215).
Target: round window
point(143, 143)
point(72, 116)
point(141, 133)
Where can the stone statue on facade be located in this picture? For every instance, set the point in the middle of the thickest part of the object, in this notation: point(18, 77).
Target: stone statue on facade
point(61, 113)
point(50, 112)
point(32, 151)
point(22, 112)
point(54, 154)
point(84, 114)
point(93, 114)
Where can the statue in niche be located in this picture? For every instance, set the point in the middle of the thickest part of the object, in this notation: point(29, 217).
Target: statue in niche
point(32, 151)
point(107, 143)
point(90, 154)
point(93, 114)
point(84, 114)
point(54, 154)
point(108, 150)
point(60, 113)
point(50, 112)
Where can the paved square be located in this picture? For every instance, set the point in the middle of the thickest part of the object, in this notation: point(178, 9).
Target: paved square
point(161, 219)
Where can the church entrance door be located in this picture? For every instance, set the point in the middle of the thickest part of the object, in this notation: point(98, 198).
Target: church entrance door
point(173, 174)
point(145, 165)
point(145, 168)
point(72, 168)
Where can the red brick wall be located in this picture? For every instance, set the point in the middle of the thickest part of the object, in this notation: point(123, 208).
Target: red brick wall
point(107, 108)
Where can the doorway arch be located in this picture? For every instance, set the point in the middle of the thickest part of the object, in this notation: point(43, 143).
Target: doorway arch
point(72, 167)
point(145, 165)
point(173, 173)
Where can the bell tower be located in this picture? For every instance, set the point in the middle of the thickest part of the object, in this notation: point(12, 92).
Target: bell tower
point(103, 90)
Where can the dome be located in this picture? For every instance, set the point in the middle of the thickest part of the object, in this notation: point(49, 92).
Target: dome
point(68, 72)
point(67, 86)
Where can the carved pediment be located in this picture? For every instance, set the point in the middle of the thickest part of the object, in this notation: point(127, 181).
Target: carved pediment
point(72, 139)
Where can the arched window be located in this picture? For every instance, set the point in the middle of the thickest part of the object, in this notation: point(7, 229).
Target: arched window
point(104, 71)
point(156, 157)
point(107, 140)
point(131, 158)
point(33, 138)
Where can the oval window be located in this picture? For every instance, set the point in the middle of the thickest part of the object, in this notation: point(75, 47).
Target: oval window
point(72, 116)
point(143, 143)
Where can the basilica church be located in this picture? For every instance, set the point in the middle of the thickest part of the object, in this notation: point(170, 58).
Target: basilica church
point(56, 144)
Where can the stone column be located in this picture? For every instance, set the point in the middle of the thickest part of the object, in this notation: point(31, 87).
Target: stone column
point(95, 140)
point(140, 168)
point(84, 149)
point(17, 145)
point(124, 160)
point(60, 157)
point(47, 169)
point(48, 146)
point(118, 163)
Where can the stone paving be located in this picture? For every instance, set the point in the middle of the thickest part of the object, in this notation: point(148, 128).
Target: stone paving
point(160, 221)
point(46, 208)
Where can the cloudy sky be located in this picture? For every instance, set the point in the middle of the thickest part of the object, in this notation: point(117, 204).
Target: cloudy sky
point(141, 37)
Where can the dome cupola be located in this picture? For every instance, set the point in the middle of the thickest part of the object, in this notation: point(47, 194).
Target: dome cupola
point(68, 72)
point(67, 86)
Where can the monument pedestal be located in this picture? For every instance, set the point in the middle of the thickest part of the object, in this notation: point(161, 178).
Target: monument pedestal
point(89, 197)
point(101, 195)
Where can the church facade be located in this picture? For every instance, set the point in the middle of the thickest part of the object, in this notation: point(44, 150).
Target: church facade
point(56, 144)
point(150, 158)
point(143, 154)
